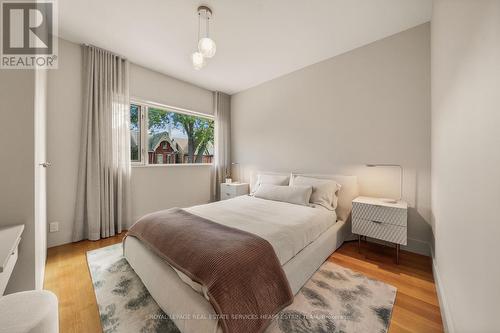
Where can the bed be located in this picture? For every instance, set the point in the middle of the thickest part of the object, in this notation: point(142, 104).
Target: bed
point(302, 237)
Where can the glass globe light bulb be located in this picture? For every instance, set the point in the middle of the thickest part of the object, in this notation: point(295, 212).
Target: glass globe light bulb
point(198, 60)
point(206, 46)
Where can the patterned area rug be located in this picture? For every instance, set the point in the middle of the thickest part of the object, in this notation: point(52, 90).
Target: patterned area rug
point(335, 299)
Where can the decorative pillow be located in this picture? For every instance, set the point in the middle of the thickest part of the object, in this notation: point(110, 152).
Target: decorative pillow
point(298, 195)
point(273, 179)
point(324, 191)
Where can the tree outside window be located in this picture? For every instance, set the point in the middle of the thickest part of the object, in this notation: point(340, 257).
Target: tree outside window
point(177, 137)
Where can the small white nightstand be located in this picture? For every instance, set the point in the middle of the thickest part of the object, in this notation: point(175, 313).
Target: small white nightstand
point(377, 219)
point(232, 190)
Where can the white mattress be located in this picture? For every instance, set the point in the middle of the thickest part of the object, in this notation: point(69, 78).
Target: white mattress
point(190, 311)
point(287, 227)
point(303, 237)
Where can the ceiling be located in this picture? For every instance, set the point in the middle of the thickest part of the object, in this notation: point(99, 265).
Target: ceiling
point(257, 40)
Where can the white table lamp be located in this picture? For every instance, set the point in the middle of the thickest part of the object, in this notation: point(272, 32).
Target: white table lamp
point(401, 179)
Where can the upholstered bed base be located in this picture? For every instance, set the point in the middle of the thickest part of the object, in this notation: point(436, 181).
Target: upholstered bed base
point(190, 311)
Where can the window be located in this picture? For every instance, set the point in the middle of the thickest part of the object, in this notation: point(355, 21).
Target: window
point(135, 133)
point(165, 135)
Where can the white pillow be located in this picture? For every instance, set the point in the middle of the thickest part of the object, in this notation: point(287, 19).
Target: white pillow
point(298, 195)
point(324, 191)
point(273, 179)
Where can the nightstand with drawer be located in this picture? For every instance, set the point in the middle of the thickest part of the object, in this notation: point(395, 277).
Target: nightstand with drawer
point(233, 190)
point(375, 218)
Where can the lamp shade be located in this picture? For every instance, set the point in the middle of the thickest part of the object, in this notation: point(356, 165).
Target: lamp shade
point(206, 47)
point(372, 165)
point(198, 60)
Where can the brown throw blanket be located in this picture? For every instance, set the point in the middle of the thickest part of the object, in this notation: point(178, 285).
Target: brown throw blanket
point(245, 282)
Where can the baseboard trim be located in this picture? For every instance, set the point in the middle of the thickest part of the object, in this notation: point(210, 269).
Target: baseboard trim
point(443, 304)
point(418, 246)
point(424, 248)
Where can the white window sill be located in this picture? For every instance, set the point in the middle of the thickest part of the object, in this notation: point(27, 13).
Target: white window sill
point(137, 165)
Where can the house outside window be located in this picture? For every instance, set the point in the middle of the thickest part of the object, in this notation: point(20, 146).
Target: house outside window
point(166, 135)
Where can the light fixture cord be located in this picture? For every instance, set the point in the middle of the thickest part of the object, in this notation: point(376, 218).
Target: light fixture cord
point(199, 27)
point(208, 25)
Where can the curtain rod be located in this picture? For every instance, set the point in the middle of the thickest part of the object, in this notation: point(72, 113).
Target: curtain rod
point(100, 48)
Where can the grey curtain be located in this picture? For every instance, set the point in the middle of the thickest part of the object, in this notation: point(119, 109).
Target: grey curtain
point(222, 165)
point(103, 193)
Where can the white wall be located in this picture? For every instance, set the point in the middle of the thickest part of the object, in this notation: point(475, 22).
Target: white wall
point(153, 188)
point(160, 187)
point(466, 161)
point(155, 87)
point(63, 140)
point(370, 105)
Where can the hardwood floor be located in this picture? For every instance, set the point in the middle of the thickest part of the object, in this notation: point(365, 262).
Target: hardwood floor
point(67, 275)
point(416, 308)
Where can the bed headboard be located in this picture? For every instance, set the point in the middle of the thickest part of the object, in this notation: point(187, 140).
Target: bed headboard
point(347, 193)
point(254, 175)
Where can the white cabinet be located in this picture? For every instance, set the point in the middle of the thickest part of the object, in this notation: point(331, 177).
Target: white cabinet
point(372, 217)
point(9, 242)
point(232, 190)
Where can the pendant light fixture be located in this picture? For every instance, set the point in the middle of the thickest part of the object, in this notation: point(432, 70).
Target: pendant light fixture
point(206, 45)
point(198, 60)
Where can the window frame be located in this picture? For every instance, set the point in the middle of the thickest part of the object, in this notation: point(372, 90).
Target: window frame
point(140, 138)
point(144, 106)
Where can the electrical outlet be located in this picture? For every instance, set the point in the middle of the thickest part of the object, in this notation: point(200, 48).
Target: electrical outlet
point(53, 226)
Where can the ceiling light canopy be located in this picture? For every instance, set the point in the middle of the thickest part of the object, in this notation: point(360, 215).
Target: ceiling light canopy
point(206, 45)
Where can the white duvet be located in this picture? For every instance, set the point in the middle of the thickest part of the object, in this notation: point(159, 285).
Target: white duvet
point(287, 227)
